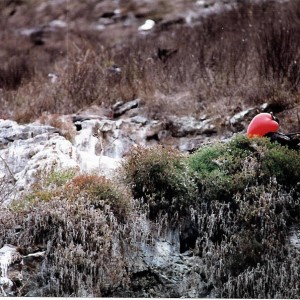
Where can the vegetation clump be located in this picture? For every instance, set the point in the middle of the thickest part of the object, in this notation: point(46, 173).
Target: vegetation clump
point(159, 177)
point(79, 221)
point(241, 207)
point(246, 207)
point(226, 168)
point(103, 193)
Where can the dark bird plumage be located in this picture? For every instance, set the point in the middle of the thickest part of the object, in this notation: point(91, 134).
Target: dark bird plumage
point(291, 140)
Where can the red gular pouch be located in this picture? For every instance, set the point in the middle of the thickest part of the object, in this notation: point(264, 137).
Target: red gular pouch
point(261, 125)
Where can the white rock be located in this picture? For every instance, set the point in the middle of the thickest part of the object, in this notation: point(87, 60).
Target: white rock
point(7, 256)
point(240, 116)
point(58, 23)
point(200, 2)
point(148, 25)
point(31, 150)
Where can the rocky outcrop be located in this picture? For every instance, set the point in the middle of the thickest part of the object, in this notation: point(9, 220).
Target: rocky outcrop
point(190, 126)
point(97, 141)
point(121, 107)
point(155, 270)
point(29, 150)
point(93, 139)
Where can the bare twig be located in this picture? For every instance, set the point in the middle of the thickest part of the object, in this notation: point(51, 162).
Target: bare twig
point(8, 168)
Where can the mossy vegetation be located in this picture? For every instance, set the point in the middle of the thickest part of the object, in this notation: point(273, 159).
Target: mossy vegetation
point(228, 168)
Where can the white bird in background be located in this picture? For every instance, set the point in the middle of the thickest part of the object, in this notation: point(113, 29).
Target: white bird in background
point(148, 25)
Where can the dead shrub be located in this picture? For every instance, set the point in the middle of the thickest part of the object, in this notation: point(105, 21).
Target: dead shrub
point(103, 193)
point(278, 50)
point(248, 54)
point(15, 72)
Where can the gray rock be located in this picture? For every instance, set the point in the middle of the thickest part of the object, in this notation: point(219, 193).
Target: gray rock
point(183, 126)
point(240, 116)
point(10, 262)
point(120, 108)
point(139, 120)
point(239, 121)
point(29, 150)
point(11, 131)
point(190, 144)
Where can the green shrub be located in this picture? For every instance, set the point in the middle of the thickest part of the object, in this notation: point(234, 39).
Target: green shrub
point(159, 177)
point(58, 178)
point(282, 163)
point(226, 168)
point(219, 168)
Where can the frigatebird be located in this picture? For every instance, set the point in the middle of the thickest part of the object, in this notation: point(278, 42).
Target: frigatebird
point(266, 124)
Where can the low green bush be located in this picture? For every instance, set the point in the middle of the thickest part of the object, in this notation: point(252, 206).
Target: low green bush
point(219, 168)
point(224, 169)
point(283, 164)
point(159, 177)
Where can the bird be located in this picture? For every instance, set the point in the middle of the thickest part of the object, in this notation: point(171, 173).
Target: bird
point(267, 125)
point(262, 124)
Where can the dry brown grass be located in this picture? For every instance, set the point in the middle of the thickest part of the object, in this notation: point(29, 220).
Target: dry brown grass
point(245, 56)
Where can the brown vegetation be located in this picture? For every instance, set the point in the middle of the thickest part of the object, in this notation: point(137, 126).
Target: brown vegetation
point(224, 62)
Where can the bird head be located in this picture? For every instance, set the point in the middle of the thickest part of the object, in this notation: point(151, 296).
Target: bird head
point(262, 124)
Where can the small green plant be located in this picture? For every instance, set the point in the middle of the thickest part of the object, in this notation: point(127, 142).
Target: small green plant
point(59, 178)
point(159, 177)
